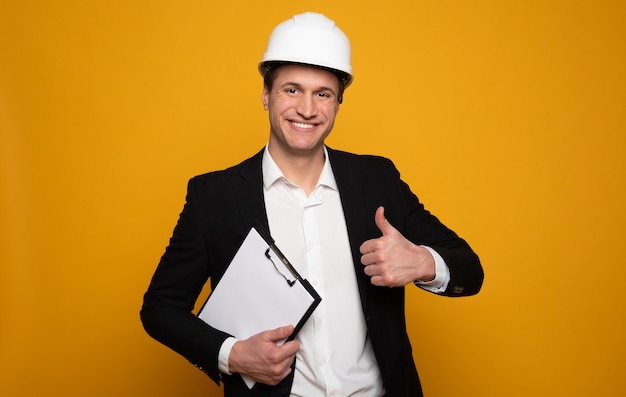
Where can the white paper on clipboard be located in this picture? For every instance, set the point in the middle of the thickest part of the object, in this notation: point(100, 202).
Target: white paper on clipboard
point(259, 292)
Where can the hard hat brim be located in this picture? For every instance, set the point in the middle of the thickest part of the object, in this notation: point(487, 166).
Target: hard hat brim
point(345, 78)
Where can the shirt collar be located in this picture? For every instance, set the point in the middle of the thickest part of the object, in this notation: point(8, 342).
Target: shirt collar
point(271, 172)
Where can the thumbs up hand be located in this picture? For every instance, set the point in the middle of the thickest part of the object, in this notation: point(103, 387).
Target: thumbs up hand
point(393, 261)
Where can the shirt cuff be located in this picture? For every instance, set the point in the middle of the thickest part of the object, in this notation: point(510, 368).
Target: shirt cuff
point(442, 274)
point(224, 354)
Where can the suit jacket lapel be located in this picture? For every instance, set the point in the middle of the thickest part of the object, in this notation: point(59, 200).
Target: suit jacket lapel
point(353, 200)
point(249, 192)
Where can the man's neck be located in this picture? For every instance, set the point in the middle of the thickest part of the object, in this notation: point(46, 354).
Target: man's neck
point(302, 169)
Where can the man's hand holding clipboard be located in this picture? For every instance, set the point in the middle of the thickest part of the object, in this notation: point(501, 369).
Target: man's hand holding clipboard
point(263, 358)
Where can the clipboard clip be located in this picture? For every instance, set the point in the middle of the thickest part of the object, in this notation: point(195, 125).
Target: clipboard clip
point(286, 263)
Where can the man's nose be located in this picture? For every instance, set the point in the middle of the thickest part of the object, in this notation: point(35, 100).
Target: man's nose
point(307, 107)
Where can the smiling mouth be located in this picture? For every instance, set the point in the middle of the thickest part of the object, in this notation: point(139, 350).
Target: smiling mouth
point(303, 125)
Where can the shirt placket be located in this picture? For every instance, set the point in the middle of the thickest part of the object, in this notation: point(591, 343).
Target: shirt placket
point(314, 254)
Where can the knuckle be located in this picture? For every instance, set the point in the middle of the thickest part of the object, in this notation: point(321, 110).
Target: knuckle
point(273, 357)
point(276, 372)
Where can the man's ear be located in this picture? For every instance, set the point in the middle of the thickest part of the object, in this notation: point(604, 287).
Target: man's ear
point(265, 98)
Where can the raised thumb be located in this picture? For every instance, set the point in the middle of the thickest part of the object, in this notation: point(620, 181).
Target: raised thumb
point(382, 223)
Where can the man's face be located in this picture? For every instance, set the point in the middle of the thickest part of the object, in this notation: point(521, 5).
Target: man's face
point(302, 107)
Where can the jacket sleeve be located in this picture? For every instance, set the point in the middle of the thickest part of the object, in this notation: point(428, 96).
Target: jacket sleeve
point(184, 268)
point(423, 228)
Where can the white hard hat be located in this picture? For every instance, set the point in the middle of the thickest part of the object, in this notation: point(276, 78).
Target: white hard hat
point(310, 39)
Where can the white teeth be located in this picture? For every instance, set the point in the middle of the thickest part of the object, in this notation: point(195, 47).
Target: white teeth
point(302, 125)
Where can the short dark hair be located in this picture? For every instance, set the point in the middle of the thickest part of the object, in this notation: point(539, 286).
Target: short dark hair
point(272, 67)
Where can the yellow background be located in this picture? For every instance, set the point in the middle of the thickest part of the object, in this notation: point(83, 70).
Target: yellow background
point(508, 119)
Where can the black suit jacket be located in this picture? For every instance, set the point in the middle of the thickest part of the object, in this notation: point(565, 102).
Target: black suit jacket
point(220, 209)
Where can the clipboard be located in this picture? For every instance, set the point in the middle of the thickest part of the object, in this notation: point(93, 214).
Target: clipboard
point(259, 291)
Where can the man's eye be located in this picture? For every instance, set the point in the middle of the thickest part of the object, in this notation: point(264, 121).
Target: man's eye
point(291, 91)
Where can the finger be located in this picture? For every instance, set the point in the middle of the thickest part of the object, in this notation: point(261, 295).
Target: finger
point(280, 333)
point(377, 281)
point(366, 247)
point(370, 270)
point(368, 259)
point(382, 223)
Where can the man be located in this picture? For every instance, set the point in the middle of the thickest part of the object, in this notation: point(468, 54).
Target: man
point(347, 222)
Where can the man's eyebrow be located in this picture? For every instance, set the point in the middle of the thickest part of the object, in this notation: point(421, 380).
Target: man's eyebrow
point(290, 84)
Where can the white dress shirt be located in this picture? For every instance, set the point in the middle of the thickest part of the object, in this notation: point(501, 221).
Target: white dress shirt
point(335, 356)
